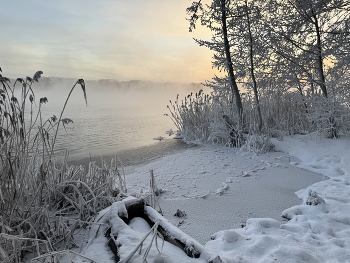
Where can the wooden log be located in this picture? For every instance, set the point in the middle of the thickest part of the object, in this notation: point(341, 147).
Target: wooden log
point(138, 208)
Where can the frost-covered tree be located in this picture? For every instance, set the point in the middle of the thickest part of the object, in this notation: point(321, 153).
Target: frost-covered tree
point(216, 16)
point(239, 45)
point(298, 49)
point(246, 31)
point(309, 37)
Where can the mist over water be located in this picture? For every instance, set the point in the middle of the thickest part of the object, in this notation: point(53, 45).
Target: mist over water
point(114, 120)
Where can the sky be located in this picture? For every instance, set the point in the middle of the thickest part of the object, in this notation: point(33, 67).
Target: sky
point(102, 39)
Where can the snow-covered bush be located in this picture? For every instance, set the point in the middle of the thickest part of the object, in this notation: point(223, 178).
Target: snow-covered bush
point(258, 143)
point(314, 199)
point(329, 116)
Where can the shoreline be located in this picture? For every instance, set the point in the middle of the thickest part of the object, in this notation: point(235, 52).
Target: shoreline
point(220, 188)
point(191, 180)
point(140, 155)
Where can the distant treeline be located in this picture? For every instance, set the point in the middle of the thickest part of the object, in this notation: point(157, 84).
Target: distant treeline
point(54, 82)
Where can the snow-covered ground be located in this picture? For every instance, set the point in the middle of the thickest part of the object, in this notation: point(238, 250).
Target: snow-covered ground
point(242, 206)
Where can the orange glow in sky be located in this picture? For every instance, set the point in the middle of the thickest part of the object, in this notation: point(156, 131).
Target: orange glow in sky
point(107, 39)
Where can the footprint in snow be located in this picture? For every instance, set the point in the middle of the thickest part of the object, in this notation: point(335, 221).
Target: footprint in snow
point(221, 189)
point(340, 171)
point(247, 174)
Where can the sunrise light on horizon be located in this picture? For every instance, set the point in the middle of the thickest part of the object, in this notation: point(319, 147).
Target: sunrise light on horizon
point(123, 40)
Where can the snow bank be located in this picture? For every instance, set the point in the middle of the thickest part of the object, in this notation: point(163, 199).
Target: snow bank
point(318, 230)
point(206, 182)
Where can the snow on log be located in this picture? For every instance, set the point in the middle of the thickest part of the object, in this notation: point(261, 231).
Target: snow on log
point(178, 238)
point(123, 211)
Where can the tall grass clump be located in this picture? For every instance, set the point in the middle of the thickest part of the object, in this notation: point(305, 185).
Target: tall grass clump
point(285, 110)
point(204, 117)
point(192, 116)
point(293, 111)
point(43, 199)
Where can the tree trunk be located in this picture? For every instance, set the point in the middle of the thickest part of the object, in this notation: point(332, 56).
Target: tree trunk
point(251, 56)
point(233, 83)
point(319, 59)
point(333, 125)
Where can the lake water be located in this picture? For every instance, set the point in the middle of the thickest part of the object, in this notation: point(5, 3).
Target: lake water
point(114, 120)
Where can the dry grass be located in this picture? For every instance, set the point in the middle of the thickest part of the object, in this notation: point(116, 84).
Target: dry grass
point(41, 195)
point(285, 111)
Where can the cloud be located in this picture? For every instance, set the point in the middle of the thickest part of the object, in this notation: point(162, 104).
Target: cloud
point(118, 39)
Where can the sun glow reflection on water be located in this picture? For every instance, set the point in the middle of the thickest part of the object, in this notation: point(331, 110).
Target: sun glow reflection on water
point(113, 120)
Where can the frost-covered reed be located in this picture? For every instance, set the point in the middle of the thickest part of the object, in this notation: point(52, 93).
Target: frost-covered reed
point(43, 199)
point(212, 118)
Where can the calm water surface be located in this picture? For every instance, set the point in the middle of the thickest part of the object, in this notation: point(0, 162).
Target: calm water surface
point(113, 120)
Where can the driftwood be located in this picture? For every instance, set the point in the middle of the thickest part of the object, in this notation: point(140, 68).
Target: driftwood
point(139, 208)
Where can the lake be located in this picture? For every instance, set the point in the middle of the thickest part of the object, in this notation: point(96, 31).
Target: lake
point(114, 120)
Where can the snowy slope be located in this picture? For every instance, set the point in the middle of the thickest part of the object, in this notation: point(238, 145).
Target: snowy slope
point(205, 181)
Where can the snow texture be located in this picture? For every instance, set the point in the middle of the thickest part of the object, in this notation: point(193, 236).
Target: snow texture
point(255, 218)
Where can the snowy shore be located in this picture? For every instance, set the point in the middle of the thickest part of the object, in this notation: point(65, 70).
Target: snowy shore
point(234, 201)
point(220, 188)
